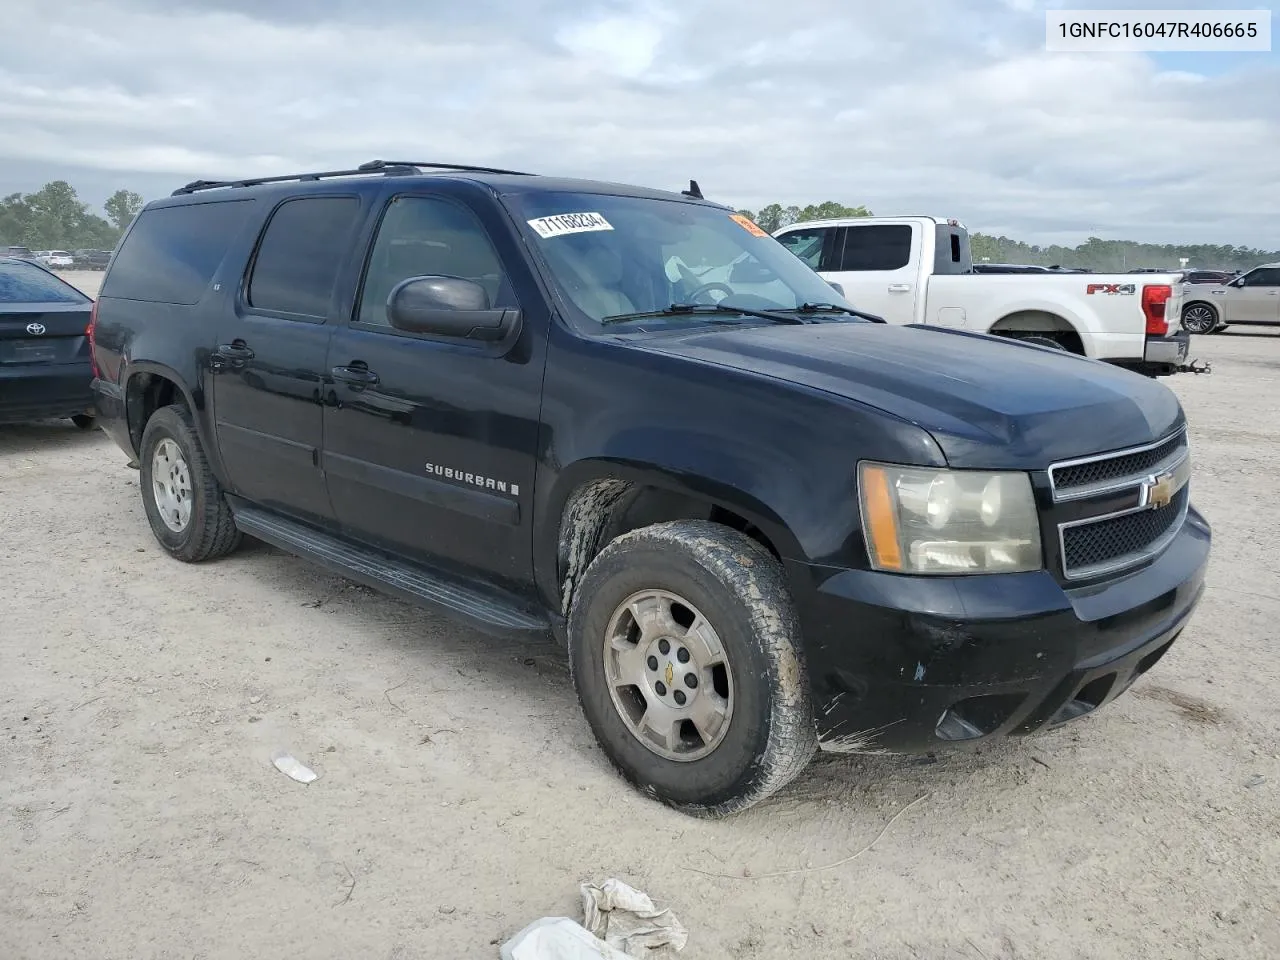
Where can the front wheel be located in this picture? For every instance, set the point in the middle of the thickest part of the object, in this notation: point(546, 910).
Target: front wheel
point(183, 500)
point(683, 644)
point(1199, 318)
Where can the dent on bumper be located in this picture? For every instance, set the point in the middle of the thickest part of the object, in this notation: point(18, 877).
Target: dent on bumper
point(1171, 350)
point(910, 664)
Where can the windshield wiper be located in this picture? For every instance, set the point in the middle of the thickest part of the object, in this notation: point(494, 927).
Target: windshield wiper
point(836, 308)
point(680, 309)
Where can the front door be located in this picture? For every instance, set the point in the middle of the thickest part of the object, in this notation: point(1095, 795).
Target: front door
point(430, 442)
point(270, 362)
point(1257, 300)
point(877, 265)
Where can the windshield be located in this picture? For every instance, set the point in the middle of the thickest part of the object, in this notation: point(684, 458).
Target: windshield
point(627, 257)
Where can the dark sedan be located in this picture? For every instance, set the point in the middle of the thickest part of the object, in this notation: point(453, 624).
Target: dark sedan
point(45, 370)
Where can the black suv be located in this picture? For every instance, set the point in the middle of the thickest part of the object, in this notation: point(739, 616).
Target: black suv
point(760, 522)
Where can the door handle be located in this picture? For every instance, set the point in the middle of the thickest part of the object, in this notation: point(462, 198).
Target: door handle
point(356, 374)
point(899, 288)
point(235, 350)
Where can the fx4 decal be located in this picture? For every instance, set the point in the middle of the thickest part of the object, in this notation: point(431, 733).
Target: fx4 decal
point(1124, 289)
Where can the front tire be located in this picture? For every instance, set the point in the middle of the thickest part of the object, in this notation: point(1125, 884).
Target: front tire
point(684, 649)
point(183, 500)
point(1199, 318)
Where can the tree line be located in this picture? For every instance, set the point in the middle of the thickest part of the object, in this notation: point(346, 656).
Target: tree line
point(55, 218)
point(1103, 256)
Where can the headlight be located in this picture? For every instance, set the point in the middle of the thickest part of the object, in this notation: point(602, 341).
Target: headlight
point(926, 520)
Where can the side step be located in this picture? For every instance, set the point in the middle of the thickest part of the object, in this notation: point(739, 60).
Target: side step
point(485, 610)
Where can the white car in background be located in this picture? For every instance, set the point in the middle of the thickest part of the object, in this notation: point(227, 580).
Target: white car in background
point(59, 260)
point(1252, 299)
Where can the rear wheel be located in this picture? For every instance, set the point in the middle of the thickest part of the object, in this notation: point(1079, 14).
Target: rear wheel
point(1199, 318)
point(684, 648)
point(183, 500)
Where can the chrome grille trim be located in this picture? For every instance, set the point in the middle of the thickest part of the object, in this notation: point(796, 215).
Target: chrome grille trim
point(1137, 481)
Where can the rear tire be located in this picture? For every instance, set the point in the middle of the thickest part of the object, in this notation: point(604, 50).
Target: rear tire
point(183, 500)
point(743, 727)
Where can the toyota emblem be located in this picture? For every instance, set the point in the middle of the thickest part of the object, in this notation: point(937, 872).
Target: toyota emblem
point(35, 329)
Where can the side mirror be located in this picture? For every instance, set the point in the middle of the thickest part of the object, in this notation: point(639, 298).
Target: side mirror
point(448, 307)
point(836, 287)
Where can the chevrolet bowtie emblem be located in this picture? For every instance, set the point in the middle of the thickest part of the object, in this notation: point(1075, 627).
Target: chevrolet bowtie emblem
point(671, 674)
point(1160, 491)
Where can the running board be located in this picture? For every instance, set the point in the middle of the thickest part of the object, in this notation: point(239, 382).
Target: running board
point(485, 610)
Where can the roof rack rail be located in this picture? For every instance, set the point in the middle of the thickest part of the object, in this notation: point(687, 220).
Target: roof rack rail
point(374, 165)
point(389, 168)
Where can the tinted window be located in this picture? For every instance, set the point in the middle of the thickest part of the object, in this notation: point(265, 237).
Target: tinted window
point(808, 245)
point(172, 253)
point(1266, 277)
point(421, 236)
point(25, 283)
point(298, 258)
point(879, 247)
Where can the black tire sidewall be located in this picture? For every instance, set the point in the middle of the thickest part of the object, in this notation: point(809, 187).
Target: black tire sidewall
point(727, 772)
point(167, 423)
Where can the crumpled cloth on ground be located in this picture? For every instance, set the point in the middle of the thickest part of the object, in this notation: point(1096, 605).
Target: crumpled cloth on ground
point(626, 919)
point(619, 923)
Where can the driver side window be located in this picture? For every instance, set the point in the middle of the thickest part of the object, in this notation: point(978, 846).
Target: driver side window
point(1266, 277)
point(425, 236)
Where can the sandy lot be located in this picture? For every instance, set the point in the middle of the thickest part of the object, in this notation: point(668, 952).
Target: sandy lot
point(461, 796)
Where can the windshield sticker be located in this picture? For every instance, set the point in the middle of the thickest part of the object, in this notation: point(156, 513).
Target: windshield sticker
point(746, 224)
point(563, 223)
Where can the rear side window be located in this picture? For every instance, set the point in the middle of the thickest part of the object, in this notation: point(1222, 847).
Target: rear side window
point(172, 253)
point(25, 283)
point(304, 244)
point(876, 247)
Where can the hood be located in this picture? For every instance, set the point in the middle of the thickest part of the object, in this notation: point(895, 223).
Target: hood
point(988, 402)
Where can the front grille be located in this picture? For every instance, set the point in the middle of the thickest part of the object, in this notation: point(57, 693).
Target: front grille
point(1094, 537)
point(1117, 539)
point(1117, 468)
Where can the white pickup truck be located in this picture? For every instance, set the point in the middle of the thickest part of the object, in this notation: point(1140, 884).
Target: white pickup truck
point(920, 270)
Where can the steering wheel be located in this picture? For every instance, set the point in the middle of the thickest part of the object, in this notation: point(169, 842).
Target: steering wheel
point(708, 287)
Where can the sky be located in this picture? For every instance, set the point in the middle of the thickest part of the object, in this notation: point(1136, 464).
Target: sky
point(944, 107)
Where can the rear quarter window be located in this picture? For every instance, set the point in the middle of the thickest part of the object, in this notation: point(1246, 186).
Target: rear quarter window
point(25, 283)
point(172, 253)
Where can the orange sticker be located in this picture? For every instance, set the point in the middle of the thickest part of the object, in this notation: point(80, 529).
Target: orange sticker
point(746, 224)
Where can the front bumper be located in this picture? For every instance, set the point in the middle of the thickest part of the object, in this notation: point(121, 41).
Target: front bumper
point(911, 664)
point(44, 391)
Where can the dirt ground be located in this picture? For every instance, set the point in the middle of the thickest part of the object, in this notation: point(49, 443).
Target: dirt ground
point(461, 795)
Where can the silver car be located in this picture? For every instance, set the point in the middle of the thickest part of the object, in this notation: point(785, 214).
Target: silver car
point(1250, 299)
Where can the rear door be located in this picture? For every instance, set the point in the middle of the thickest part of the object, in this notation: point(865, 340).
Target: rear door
point(42, 319)
point(269, 363)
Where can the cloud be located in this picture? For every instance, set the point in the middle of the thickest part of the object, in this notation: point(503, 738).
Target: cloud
point(907, 107)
